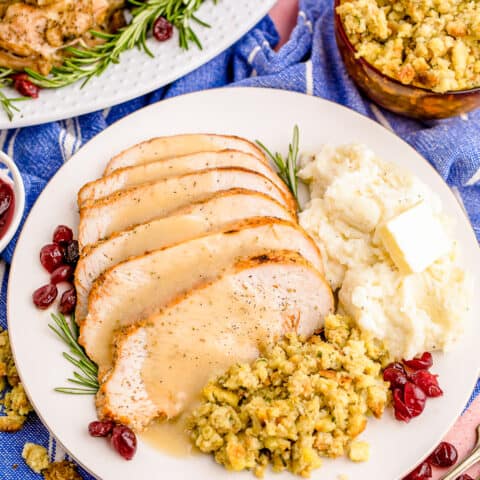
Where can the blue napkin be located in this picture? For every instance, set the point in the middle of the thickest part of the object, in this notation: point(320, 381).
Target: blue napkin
point(308, 63)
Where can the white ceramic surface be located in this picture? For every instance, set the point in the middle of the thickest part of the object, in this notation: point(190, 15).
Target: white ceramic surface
point(12, 175)
point(268, 115)
point(137, 73)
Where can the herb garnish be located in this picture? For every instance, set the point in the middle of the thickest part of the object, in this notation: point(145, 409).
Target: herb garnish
point(287, 168)
point(88, 378)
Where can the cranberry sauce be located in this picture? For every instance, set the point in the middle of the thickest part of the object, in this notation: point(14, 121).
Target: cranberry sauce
point(7, 206)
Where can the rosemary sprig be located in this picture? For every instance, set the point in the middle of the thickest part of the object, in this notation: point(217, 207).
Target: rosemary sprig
point(83, 63)
point(8, 103)
point(287, 167)
point(88, 378)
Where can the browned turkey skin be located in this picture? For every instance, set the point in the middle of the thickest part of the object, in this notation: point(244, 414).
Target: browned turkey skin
point(33, 33)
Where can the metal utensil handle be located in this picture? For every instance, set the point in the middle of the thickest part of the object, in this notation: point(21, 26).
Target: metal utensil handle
point(469, 461)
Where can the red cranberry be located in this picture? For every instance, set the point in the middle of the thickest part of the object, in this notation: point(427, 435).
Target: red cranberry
point(401, 411)
point(420, 363)
point(464, 476)
point(422, 472)
point(6, 197)
point(51, 257)
point(101, 429)
point(414, 399)
point(445, 455)
point(162, 29)
point(68, 301)
point(62, 235)
point(44, 296)
point(124, 441)
point(397, 377)
point(427, 382)
point(63, 273)
point(71, 253)
point(24, 85)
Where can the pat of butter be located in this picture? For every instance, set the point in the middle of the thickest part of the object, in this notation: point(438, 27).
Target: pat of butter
point(415, 239)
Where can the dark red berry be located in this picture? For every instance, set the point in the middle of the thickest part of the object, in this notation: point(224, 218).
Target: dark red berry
point(395, 376)
point(6, 197)
point(162, 29)
point(422, 472)
point(71, 253)
point(464, 476)
point(427, 382)
point(101, 429)
point(445, 455)
point(400, 409)
point(44, 296)
point(420, 363)
point(51, 257)
point(63, 273)
point(24, 85)
point(414, 399)
point(124, 441)
point(68, 301)
point(62, 235)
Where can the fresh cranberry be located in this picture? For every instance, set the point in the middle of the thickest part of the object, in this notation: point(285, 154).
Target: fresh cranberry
point(427, 382)
point(24, 85)
point(420, 363)
point(63, 273)
point(397, 377)
point(414, 399)
point(124, 441)
point(51, 257)
point(464, 476)
point(71, 253)
point(44, 296)
point(6, 197)
point(422, 472)
point(68, 301)
point(162, 29)
point(401, 411)
point(101, 429)
point(445, 455)
point(62, 235)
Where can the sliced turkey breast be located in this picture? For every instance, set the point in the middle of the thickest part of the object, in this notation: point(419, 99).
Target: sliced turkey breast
point(137, 287)
point(184, 224)
point(132, 176)
point(167, 147)
point(140, 204)
point(162, 363)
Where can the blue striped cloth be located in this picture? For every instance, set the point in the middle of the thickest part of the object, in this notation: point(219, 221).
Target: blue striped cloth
point(308, 63)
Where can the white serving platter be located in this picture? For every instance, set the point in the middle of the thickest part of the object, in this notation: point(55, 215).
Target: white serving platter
point(137, 73)
point(263, 114)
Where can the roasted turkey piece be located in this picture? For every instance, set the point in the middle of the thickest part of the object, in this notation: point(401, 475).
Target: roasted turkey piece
point(33, 33)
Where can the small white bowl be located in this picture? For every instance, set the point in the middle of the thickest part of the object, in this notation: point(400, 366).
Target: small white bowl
point(12, 175)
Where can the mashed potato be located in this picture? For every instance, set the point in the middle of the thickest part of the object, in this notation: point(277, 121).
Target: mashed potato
point(353, 193)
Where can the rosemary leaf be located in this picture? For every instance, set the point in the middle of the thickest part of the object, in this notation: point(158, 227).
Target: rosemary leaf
point(87, 374)
point(76, 391)
point(287, 168)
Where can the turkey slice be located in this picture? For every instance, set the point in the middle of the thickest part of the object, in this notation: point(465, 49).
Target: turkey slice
point(162, 363)
point(187, 223)
point(166, 147)
point(130, 291)
point(140, 204)
point(133, 176)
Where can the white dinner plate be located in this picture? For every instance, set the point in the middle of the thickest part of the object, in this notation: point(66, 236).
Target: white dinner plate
point(263, 114)
point(137, 73)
